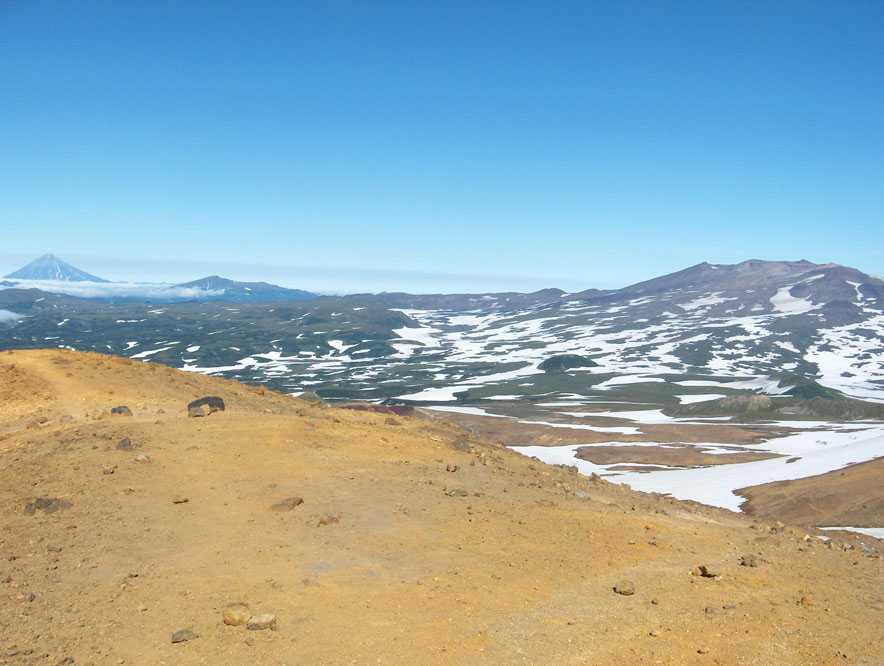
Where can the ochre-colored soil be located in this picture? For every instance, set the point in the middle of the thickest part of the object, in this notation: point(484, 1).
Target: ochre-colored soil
point(514, 432)
point(390, 558)
point(670, 456)
point(852, 497)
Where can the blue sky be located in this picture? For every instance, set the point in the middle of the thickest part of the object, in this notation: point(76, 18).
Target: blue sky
point(450, 146)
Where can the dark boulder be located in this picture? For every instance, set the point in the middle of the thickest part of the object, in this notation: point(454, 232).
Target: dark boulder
point(205, 406)
point(121, 410)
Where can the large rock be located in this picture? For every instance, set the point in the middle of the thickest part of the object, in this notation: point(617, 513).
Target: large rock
point(205, 406)
point(121, 410)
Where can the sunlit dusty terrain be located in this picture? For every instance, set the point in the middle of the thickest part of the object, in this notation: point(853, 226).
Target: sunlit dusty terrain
point(414, 541)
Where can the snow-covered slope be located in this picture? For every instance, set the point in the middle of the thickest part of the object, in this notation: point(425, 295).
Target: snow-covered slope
point(710, 325)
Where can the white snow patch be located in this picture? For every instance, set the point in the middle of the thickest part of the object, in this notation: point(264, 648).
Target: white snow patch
point(877, 532)
point(699, 397)
point(811, 453)
point(783, 301)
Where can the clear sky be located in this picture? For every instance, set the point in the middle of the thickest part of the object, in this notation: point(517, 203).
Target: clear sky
point(445, 146)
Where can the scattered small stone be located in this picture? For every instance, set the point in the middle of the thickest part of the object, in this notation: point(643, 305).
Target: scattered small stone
point(126, 444)
point(54, 547)
point(328, 520)
point(261, 622)
point(237, 614)
point(625, 588)
point(30, 596)
point(806, 602)
point(749, 561)
point(178, 499)
point(287, 504)
point(653, 633)
point(390, 421)
point(705, 572)
point(142, 458)
point(718, 610)
point(47, 505)
point(702, 651)
point(461, 445)
point(121, 410)
point(457, 492)
point(108, 469)
point(451, 467)
point(183, 635)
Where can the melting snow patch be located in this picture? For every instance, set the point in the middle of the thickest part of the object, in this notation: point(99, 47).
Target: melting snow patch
point(810, 453)
point(472, 411)
point(705, 302)
point(444, 394)
point(783, 301)
point(877, 532)
point(699, 397)
point(627, 379)
point(151, 352)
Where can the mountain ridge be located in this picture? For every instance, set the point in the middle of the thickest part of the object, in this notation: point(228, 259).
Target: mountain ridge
point(234, 290)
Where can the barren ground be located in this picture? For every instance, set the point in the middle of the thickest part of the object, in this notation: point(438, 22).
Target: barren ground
point(389, 559)
point(853, 497)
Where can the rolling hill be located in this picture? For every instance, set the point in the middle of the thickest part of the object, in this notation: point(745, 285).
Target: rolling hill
point(713, 323)
point(367, 537)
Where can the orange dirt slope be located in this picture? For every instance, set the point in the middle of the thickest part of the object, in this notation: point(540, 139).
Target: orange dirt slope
point(415, 542)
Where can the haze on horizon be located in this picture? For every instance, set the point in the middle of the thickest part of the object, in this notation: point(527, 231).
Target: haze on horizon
point(450, 148)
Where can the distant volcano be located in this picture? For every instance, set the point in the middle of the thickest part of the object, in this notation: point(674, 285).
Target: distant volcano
point(50, 267)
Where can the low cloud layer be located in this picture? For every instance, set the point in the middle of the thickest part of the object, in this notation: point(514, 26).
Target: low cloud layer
point(9, 317)
point(140, 290)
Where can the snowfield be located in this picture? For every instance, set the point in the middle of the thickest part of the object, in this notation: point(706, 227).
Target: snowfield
point(803, 454)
